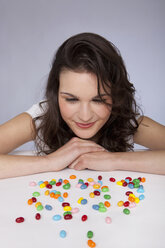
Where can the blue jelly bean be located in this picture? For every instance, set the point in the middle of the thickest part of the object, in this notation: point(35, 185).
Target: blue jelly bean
point(60, 180)
point(53, 191)
point(130, 186)
point(48, 207)
point(56, 217)
point(100, 182)
point(141, 197)
point(141, 186)
point(40, 182)
point(83, 186)
point(62, 234)
point(60, 199)
point(140, 190)
point(127, 180)
point(84, 201)
point(95, 206)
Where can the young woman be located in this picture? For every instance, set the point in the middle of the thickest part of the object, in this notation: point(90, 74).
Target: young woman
point(89, 119)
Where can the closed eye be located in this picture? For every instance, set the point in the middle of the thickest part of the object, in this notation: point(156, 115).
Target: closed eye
point(75, 100)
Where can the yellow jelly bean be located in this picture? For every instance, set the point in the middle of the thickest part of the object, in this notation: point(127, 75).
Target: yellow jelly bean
point(119, 183)
point(47, 192)
point(91, 195)
point(120, 203)
point(67, 208)
point(137, 200)
point(90, 180)
point(80, 199)
point(42, 185)
point(132, 195)
point(53, 180)
point(96, 186)
point(37, 204)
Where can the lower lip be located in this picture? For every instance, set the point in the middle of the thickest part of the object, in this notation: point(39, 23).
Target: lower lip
point(85, 126)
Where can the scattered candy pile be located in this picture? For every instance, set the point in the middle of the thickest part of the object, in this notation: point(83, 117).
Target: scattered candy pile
point(97, 189)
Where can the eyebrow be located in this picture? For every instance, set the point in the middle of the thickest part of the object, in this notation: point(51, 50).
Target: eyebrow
point(69, 94)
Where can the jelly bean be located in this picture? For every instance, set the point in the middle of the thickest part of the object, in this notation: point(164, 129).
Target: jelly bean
point(67, 212)
point(107, 197)
point(91, 243)
point(52, 182)
point(52, 194)
point(36, 194)
point(132, 205)
point(137, 200)
point(139, 178)
point(122, 181)
point(67, 208)
point(127, 181)
point(58, 184)
point(96, 192)
point(66, 186)
point(112, 179)
point(60, 199)
point(84, 217)
point(56, 217)
point(120, 203)
point(40, 207)
point(99, 177)
point(34, 199)
point(38, 216)
point(128, 193)
point(62, 234)
point(64, 204)
point(80, 199)
point(108, 220)
point(119, 183)
point(83, 186)
point(102, 209)
point(84, 201)
point(136, 181)
point(131, 186)
point(141, 197)
point(38, 204)
point(125, 184)
point(104, 189)
point(107, 204)
point(126, 204)
point(96, 186)
point(90, 234)
point(92, 195)
point(87, 184)
point(72, 177)
point(78, 185)
point(126, 211)
point(40, 182)
point(90, 180)
point(129, 178)
point(68, 217)
point(60, 180)
point(100, 182)
point(20, 220)
point(57, 196)
point(95, 206)
point(47, 192)
point(32, 184)
point(132, 195)
point(48, 186)
point(75, 210)
point(42, 185)
point(30, 202)
point(143, 179)
point(131, 199)
point(65, 181)
point(48, 207)
point(65, 194)
point(140, 190)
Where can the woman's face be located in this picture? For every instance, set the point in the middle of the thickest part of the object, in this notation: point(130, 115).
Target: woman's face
point(79, 104)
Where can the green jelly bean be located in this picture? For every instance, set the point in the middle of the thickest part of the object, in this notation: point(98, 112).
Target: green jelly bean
point(107, 197)
point(35, 194)
point(136, 181)
point(66, 186)
point(101, 205)
point(80, 181)
point(58, 193)
point(52, 182)
point(105, 190)
point(67, 212)
point(102, 209)
point(136, 185)
point(126, 211)
point(90, 234)
point(40, 207)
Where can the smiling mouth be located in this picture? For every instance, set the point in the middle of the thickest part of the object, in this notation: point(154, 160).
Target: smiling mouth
point(82, 125)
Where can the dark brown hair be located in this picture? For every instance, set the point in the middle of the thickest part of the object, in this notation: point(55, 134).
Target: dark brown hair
point(92, 53)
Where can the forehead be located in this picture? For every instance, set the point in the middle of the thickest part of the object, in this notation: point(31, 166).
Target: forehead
point(79, 82)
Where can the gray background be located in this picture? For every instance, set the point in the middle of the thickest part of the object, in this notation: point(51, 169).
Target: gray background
point(31, 31)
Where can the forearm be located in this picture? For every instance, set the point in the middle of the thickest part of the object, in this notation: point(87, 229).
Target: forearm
point(19, 165)
point(142, 161)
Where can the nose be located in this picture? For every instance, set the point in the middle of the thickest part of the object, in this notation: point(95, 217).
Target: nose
point(85, 113)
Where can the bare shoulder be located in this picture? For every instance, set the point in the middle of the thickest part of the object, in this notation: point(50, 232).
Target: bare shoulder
point(16, 132)
point(150, 134)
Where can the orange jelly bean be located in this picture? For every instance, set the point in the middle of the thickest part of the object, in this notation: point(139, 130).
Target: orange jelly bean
point(30, 202)
point(56, 196)
point(143, 179)
point(65, 195)
point(131, 199)
point(107, 204)
point(65, 181)
point(72, 177)
point(52, 195)
point(91, 243)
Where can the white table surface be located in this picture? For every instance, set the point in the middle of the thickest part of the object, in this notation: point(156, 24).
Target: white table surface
point(144, 227)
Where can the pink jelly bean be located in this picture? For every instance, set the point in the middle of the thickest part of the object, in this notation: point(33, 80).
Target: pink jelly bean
point(78, 185)
point(75, 210)
point(32, 184)
point(108, 220)
point(132, 205)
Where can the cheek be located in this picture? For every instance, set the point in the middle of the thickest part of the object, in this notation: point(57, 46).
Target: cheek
point(103, 112)
point(65, 109)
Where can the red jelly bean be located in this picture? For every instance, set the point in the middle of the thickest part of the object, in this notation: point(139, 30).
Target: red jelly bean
point(125, 184)
point(140, 178)
point(112, 179)
point(20, 220)
point(58, 183)
point(68, 217)
point(129, 178)
point(87, 184)
point(34, 199)
point(96, 192)
point(99, 178)
point(128, 193)
point(84, 217)
point(64, 204)
point(126, 204)
point(49, 186)
point(38, 216)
